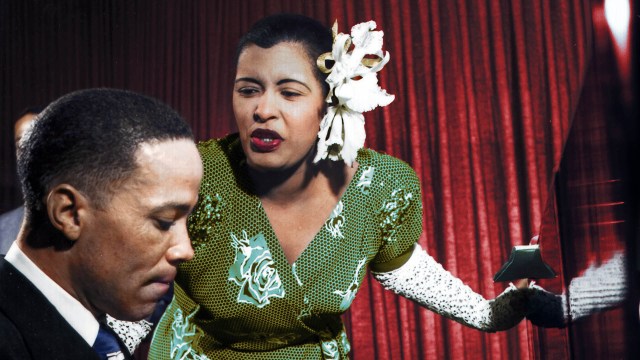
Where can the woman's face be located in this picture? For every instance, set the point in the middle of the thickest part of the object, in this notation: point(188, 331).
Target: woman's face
point(278, 104)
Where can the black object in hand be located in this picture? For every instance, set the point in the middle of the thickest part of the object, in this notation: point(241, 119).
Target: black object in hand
point(525, 262)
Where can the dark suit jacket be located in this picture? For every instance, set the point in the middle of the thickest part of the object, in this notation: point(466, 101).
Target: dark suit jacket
point(9, 227)
point(31, 327)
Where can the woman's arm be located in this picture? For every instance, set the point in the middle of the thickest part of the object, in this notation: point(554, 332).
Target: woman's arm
point(425, 281)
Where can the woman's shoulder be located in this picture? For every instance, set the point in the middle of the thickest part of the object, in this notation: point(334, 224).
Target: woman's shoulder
point(221, 158)
point(224, 152)
point(385, 164)
point(218, 146)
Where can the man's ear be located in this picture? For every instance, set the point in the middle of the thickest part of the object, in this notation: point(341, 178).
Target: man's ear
point(67, 208)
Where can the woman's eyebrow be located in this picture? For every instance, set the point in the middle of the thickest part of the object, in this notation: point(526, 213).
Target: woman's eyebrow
point(284, 81)
point(249, 79)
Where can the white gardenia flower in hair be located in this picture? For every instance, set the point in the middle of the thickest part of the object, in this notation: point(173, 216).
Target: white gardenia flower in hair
point(353, 90)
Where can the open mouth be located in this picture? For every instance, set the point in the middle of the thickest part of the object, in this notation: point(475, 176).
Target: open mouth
point(265, 140)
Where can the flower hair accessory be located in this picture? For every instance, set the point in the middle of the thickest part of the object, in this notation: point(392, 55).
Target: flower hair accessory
point(353, 89)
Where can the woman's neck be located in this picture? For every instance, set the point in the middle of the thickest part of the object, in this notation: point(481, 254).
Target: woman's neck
point(305, 180)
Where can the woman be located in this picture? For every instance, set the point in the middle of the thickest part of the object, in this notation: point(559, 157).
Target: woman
point(289, 217)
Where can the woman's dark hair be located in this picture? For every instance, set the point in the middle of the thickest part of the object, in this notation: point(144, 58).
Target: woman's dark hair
point(275, 29)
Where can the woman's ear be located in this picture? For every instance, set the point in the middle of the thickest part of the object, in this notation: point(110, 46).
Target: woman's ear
point(66, 207)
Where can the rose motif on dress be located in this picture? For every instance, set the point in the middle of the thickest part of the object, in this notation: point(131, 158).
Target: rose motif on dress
point(393, 213)
point(350, 293)
point(330, 350)
point(208, 211)
point(364, 183)
point(336, 221)
point(254, 272)
point(184, 336)
point(345, 342)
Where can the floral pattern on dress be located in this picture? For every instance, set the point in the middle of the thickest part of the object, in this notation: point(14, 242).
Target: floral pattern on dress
point(207, 212)
point(185, 336)
point(254, 272)
point(393, 213)
point(349, 294)
point(295, 273)
point(306, 309)
point(330, 350)
point(336, 221)
point(345, 342)
point(364, 183)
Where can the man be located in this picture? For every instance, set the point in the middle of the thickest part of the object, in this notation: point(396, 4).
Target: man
point(109, 178)
point(10, 222)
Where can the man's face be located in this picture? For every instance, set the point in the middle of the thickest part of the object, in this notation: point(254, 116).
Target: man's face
point(129, 249)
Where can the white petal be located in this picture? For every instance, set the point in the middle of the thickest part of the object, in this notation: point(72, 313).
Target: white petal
point(325, 125)
point(338, 50)
point(366, 39)
point(369, 94)
point(354, 136)
point(382, 63)
point(321, 151)
point(346, 91)
point(335, 137)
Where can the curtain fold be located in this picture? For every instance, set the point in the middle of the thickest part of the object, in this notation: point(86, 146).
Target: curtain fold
point(485, 94)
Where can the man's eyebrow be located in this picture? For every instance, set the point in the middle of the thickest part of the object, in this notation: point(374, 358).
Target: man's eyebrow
point(284, 81)
point(180, 207)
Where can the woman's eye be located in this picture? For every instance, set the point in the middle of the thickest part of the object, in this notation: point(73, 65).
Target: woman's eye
point(247, 91)
point(287, 93)
point(164, 225)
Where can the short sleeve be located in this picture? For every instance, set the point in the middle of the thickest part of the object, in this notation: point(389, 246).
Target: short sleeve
point(399, 218)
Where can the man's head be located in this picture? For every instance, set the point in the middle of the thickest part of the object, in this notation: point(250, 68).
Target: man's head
point(109, 179)
point(24, 122)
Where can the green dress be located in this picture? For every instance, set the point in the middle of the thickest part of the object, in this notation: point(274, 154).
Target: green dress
point(239, 298)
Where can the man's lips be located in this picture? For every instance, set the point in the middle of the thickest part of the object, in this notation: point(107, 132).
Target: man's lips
point(265, 140)
point(161, 285)
point(166, 279)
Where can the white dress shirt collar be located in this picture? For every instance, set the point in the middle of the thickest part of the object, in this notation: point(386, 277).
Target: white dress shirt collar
point(79, 317)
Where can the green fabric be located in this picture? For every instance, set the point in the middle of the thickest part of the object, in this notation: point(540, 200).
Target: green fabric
point(239, 298)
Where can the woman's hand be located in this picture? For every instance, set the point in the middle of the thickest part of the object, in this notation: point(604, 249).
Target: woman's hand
point(545, 309)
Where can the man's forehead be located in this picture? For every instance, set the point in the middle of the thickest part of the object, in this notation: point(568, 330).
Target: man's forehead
point(175, 155)
point(153, 150)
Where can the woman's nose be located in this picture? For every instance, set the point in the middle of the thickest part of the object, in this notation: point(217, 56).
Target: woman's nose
point(266, 108)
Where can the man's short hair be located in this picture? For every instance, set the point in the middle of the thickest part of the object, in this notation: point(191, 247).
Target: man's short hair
point(30, 110)
point(88, 139)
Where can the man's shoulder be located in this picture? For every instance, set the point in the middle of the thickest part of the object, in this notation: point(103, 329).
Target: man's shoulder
point(12, 345)
point(38, 328)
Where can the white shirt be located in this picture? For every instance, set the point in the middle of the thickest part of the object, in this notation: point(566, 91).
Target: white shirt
point(79, 317)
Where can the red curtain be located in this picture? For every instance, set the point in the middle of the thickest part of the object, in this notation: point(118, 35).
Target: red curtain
point(485, 94)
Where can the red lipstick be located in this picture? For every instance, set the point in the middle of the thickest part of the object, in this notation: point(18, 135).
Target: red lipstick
point(265, 140)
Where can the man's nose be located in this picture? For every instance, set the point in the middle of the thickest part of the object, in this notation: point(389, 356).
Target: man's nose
point(181, 250)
